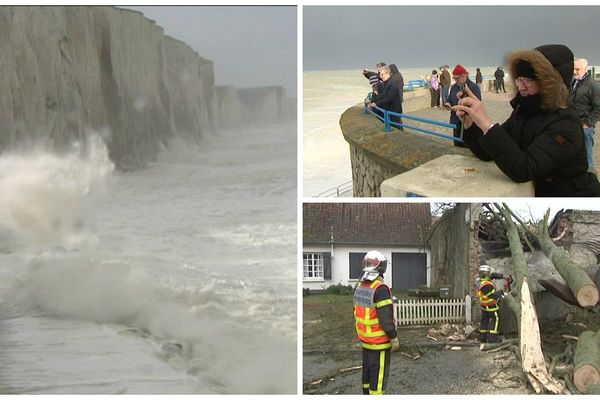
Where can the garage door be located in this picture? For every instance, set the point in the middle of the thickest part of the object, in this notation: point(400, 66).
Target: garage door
point(409, 270)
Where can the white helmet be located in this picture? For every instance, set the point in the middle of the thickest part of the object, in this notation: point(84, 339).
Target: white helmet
point(374, 264)
point(485, 270)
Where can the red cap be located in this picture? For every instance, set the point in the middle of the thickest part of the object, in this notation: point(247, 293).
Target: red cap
point(459, 70)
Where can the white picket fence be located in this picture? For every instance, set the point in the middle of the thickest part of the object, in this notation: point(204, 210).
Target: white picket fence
point(432, 311)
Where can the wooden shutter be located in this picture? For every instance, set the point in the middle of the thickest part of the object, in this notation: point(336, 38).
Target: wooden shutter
point(327, 265)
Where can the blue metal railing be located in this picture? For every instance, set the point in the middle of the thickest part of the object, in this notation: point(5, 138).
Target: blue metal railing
point(415, 83)
point(388, 123)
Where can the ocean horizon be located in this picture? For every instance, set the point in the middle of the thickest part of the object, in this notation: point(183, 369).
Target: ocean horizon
point(410, 74)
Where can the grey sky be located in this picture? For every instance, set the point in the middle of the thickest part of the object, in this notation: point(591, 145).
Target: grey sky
point(349, 37)
point(250, 45)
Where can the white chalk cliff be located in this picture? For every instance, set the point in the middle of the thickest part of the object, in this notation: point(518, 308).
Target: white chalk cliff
point(69, 71)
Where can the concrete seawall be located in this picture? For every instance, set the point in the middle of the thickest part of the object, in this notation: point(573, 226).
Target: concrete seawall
point(377, 156)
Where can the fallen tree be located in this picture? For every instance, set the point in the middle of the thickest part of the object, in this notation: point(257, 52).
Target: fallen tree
point(582, 287)
point(587, 361)
point(532, 358)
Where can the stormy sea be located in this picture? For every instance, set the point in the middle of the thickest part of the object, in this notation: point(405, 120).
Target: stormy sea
point(178, 278)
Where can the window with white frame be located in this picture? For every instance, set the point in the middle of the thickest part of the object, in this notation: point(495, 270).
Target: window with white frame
point(313, 266)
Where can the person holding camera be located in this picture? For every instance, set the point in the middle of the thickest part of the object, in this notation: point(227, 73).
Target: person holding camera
point(374, 78)
point(390, 96)
point(457, 91)
point(542, 140)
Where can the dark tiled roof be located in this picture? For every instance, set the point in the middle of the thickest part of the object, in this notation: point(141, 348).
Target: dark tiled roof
point(366, 223)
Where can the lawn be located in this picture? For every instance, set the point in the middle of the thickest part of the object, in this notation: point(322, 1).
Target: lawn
point(328, 322)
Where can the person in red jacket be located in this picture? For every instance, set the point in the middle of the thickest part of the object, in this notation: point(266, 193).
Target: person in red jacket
point(375, 325)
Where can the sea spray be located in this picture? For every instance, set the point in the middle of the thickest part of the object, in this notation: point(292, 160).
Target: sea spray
point(43, 196)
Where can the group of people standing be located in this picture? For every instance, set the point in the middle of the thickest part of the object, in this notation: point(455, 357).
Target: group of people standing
point(548, 138)
point(387, 86)
point(439, 85)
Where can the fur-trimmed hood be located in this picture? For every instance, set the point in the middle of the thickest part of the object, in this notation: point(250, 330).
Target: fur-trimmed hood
point(552, 81)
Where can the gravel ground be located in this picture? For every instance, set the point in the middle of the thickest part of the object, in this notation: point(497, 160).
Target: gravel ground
point(436, 371)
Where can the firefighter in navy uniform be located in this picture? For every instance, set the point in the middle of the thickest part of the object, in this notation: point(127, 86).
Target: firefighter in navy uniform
point(375, 325)
point(489, 297)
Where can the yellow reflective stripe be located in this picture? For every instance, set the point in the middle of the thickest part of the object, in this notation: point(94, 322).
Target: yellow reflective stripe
point(490, 309)
point(368, 321)
point(366, 385)
point(381, 346)
point(371, 334)
point(374, 392)
point(495, 330)
point(382, 303)
point(381, 371)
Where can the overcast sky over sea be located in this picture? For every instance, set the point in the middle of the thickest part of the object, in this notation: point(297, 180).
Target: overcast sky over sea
point(250, 45)
point(350, 37)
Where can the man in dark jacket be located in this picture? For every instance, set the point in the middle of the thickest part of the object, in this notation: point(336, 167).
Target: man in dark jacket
point(457, 91)
point(389, 98)
point(445, 82)
point(585, 98)
point(543, 139)
point(499, 75)
point(478, 78)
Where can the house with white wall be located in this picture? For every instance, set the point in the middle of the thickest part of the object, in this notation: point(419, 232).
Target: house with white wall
point(336, 236)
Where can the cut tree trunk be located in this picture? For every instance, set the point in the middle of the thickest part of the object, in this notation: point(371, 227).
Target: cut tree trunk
point(579, 282)
point(587, 361)
point(559, 290)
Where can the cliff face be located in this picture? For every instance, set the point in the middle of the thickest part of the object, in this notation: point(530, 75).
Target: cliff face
point(67, 71)
point(229, 112)
point(262, 105)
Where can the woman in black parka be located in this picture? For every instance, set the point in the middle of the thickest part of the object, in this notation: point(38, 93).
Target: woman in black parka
point(543, 138)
